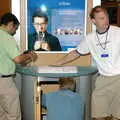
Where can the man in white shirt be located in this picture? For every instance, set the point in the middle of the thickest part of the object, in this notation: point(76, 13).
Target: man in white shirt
point(103, 44)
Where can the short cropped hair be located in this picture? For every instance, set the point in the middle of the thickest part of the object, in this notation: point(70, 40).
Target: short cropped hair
point(40, 13)
point(9, 17)
point(97, 9)
point(67, 83)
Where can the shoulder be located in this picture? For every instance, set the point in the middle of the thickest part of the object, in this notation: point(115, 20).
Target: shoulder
point(90, 37)
point(7, 38)
point(78, 98)
point(91, 34)
point(4, 34)
point(114, 32)
point(114, 28)
point(51, 95)
point(51, 36)
point(31, 35)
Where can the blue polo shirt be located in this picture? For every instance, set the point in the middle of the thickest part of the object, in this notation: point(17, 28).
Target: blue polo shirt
point(63, 105)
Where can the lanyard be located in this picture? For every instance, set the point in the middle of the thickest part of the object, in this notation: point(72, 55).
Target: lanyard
point(103, 46)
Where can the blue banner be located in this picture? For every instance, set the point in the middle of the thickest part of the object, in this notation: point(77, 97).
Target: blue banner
point(66, 20)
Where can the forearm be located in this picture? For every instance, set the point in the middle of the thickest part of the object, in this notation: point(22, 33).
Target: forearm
point(73, 55)
point(25, 58)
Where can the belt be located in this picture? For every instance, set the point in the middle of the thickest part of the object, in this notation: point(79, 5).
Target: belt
point(5, 76)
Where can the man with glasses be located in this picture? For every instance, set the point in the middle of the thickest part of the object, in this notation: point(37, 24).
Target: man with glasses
point(41, 40)
point(10, 56)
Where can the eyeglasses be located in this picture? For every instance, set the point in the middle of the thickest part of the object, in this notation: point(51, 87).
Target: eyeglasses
point(39, 24)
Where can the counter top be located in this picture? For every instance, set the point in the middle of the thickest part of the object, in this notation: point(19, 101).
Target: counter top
point(66, 71)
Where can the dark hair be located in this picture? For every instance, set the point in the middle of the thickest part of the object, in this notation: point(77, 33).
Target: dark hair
point(40, 13)
point(97, 9)
point(9, 17)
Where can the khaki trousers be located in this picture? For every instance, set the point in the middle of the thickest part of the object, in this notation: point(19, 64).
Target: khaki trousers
point(9, 100)
point(106, 97)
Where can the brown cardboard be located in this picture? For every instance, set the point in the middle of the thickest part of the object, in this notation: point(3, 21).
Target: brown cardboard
point(51, 58)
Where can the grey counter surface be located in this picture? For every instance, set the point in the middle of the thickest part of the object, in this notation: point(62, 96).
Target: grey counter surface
point(34, 71)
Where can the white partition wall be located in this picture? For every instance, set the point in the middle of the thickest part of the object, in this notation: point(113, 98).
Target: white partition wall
point(16, 11)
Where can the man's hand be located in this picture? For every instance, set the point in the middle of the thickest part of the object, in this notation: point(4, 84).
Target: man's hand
point(41, 45)
point(57, 64)
point(37, 45)
point(29, 57)
point(32, 55)
point(71, 56)
point(45, 46)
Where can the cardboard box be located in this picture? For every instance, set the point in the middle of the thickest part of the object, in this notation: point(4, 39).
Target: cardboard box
point(45, 59)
